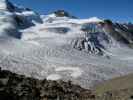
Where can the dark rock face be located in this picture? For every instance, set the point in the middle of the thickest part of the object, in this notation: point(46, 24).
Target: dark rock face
point(95, 40)
point(125, 31)
point(62, 13)
point(10, 6)
point(100, 36)
point(23, 22)
point(18, 87)
point(120, 32)
point(58, 30)
point(89, 45)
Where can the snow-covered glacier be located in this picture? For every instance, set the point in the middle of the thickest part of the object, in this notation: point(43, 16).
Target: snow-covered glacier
point(85, 51)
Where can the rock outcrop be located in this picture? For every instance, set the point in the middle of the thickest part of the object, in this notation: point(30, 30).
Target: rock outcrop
point(18, 87)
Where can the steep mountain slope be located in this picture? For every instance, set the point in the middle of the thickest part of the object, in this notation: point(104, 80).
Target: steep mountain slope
point(86, 51)
point(120, 87)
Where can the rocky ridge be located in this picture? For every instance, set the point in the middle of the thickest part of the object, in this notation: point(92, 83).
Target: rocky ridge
point(19, 87)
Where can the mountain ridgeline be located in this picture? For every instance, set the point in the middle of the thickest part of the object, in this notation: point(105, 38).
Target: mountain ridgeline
point(103, 34)
point(97, 35)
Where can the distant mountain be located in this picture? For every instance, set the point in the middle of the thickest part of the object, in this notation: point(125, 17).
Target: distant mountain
point(63, 13)
point(15, 18)
point(60, 46)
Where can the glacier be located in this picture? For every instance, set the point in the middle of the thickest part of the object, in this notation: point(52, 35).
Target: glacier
point(62, 48)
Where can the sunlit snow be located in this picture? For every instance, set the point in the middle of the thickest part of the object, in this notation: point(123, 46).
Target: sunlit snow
point(45, 49)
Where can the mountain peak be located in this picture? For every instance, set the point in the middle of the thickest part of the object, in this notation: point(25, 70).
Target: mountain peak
point(95, 19)
point(3, 4)
point(63, 13)
point(6, 5)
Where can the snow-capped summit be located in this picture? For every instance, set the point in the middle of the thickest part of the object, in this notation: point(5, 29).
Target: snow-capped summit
point(94, 19)
point(3, 4)
point(6, 5)
point(63, 13)
point(13, 18)
point(21, 20)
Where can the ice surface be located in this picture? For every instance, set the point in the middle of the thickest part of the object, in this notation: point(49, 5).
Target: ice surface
point(76, 72)
point(54, 77)
point(42, 53)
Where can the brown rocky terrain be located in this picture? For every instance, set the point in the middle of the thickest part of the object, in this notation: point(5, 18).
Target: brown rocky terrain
point(120, 88)
point(19, 87)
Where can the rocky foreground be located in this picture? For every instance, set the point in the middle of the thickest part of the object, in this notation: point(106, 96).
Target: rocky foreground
point(19, 87)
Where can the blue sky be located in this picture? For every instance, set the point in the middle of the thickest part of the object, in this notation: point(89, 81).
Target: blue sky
point(117, 10)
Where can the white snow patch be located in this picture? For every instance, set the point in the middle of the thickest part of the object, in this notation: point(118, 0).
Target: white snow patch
point(6, 52)
point(89, 20)
point(94, 19)
point(51, 15)
point(128, 58)
point(3, 5)
point(34, 43)
point(28, 13)
point(54, 77)
point(76, 72)
point(29, 36)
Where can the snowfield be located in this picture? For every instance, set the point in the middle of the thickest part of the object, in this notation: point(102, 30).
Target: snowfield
point(45, 50)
